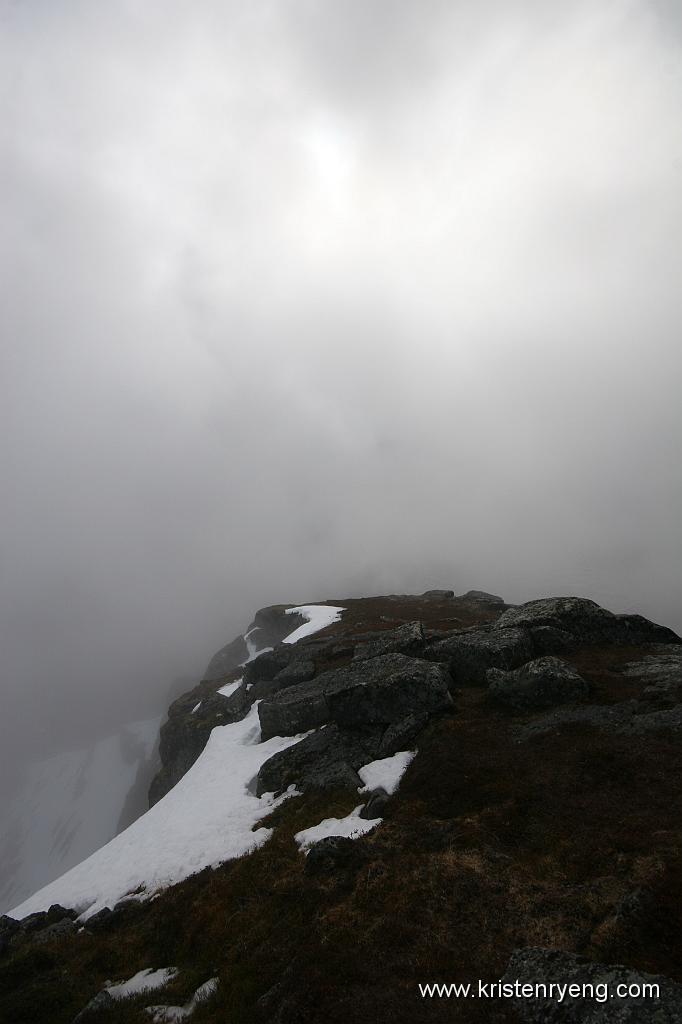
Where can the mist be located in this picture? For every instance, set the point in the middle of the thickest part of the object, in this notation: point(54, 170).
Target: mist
point(311, 300)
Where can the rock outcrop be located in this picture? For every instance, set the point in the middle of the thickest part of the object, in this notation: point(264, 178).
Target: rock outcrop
point(368, 710)
point(37, 929)
point(470, 653)
point(572, 620)
point(542, 683)
point(193, 716)
point(407, 639)
point(376, 692)
point(305, 685)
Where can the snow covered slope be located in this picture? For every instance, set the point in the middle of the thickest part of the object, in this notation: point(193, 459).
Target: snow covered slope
point(318, 616)
point(206, 818)
point(68, 806)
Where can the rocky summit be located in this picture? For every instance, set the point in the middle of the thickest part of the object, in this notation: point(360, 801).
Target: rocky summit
point(390, 809)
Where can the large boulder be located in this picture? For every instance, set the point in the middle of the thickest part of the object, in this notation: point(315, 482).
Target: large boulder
point(577, 620)
point(274, 623)
point(327, 759)
point(470, 653)
point(330, 757)
point(60, 930)
point(377, 692)
point(635, 629)
point(542, 683)
point(596, 998)
point(268, 664)
point(269, 627)
point(575, 615)
point(298, 671)
point(406, 639)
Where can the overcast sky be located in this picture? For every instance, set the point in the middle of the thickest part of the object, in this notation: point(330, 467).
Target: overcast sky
point(308, 299)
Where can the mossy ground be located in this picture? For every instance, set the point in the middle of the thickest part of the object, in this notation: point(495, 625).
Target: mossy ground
point(489, 845)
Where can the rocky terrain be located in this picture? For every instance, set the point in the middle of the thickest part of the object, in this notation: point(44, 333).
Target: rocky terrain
point(534, 836)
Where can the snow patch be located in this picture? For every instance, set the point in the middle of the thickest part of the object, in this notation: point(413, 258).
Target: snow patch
point(207, 818)
point(350, 827)
point(318, 616)
point(253, 650)
point(144, 981)
point(229, 688)
point(387, 772)
point(196, 707)
point(168, 1014)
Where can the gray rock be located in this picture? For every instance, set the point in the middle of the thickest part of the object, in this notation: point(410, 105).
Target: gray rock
point(536, 966)
point(482, 597)
point(586, 621)
point(330, 757)
point(299, 671)
point(378, 692)
point(34, 922)
point(471, 652)
point(331, 855)
point(635, 629)
point(572, 614)
point(39, 927)
point(407, 639)
point(60, 930)
point(8, 926)
point(542, 683)
point(401, 735)
point(102, 1001)
point(376, 805)
point(327, 759)
point(101, 920)
point(269, 627)
point(550, 640)
point(267, 665)
point(57, 912)
point(275, 622)
point(439, 595)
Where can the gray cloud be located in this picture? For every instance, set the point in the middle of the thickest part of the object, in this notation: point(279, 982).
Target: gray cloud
point(304, 300)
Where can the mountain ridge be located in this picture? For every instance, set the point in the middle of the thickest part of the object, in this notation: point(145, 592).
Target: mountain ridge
point(530, 724)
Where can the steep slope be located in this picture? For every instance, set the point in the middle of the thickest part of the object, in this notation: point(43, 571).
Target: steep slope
point(205, 819)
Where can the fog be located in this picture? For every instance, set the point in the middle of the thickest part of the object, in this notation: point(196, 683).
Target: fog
point(304, 300)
